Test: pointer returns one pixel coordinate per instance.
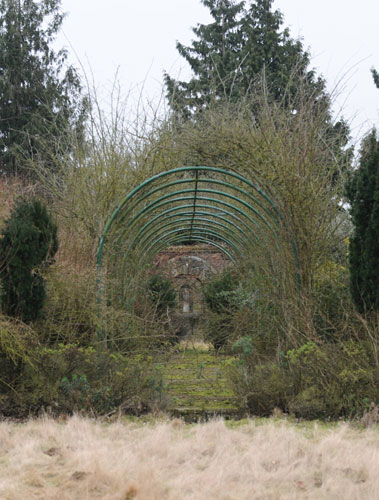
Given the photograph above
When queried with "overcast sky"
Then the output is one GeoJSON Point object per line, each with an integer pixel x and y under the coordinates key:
{"type": "Point", "coordinates": [139, 36]}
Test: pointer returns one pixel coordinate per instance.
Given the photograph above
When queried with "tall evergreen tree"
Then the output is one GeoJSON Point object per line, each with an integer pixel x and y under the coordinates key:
{"type": "Point", "coordinates": [363, 194]}
{"type": "Point", "coordinates": [230, 53]}
{"type": "Point", "coordinates": [213, 58]}
{"type": "Point", "coordinates": [40, 103]}
{"type": "Point", "coordinates": [29, 240]}
{"type": "Point", "coordinates": [267, 46]}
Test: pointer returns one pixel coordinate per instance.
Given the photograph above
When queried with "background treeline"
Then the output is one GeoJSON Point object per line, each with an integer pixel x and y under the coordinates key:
{"type": "Point", "coordinates": [304, 330]}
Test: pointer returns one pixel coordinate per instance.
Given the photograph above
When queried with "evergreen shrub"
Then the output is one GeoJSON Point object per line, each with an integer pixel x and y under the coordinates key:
{"type": "Point", "coordinates": [220, 297]}
{"type": "Point", "coordinates": [162, 294]}
{"type": "Point", "coordinates": [363, 194]}
{"type": "Point", "coordinates": [29, 242]}
{"type": "Point", "coordinates": [219, 294]}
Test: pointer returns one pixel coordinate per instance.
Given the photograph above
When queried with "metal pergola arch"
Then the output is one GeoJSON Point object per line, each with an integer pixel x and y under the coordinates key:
{"type": "Point", "coordinates": [197, 204]}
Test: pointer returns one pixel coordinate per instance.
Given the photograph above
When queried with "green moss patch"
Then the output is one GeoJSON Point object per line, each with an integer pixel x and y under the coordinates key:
{"type": "Point", "coordinates": [197, 385]}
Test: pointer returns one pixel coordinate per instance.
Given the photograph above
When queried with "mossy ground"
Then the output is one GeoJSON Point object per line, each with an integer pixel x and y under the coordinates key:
{"type": "Point", "coordinates": [197, 384]}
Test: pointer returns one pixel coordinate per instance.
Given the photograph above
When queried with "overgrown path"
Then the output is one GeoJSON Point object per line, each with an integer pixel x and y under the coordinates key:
{"type": "Point", "coordinates": [197, 385]}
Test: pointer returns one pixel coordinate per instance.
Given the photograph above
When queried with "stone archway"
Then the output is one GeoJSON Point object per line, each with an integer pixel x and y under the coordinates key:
{"type": "Point", "coordinates": [188, 268]}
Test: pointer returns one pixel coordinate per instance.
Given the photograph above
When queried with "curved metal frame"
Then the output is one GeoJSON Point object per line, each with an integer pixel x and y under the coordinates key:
{"type": "Point", "coordinates": [231, 220]}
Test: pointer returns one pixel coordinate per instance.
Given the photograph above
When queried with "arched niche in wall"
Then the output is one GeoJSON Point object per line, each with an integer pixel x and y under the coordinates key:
{"type": "Point", "coordinates": [186, 299]}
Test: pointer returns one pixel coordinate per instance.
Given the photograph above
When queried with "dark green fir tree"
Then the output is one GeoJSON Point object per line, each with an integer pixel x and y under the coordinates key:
{"type": "Point", "coordinates": [363, 195]}
{"type": "Point", "coordinates": [231, 53]}
{"type": "Point", "coordinates": [40, 99]}
{"type": "Point", "coordinates": [213, 58]}
{"type": "Point", "coordinates": [29, 242]}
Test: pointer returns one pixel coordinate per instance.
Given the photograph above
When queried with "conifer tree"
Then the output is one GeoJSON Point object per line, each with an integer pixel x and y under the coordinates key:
{"type": "Point", "coordinates": [40, 103]}
{"type": "Point", "coordinates": [29, 241]}
{"type": "Point", "coordinates": [213, 59]}
{"type": "Point", "coordinates": [363, 194]}
{"type": "Point", "coordinates": [230, 53]}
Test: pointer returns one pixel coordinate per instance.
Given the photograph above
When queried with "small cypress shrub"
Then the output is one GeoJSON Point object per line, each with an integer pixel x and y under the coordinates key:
{"type": "Point", "coordinates": [162, 294]}
{"type": "Point", "coordinates": [29, 241]}
{"type": "Point", "coordinates": [220, 297]}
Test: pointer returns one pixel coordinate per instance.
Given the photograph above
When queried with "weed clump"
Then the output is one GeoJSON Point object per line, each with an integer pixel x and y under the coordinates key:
{"type": "Point", "coordinates": [69, 378]}
{"type": "Point", "coordinates": [323, 380]}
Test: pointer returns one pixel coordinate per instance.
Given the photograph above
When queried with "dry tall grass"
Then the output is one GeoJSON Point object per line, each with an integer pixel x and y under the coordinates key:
{"type": "Point", "coordinates": [84, 459]}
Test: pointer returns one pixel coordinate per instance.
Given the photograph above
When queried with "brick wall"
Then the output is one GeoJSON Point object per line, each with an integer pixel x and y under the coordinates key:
{"type": "Point", "coordinates": [189, 267]}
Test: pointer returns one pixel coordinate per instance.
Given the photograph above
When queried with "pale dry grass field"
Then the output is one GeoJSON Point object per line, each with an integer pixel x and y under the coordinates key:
{"type": "Point", "coordinates": [85, 459]}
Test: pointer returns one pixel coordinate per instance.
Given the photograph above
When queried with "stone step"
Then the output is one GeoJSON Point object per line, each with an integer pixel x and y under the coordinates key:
{"type": "Point", "coordinates": [197, 385]}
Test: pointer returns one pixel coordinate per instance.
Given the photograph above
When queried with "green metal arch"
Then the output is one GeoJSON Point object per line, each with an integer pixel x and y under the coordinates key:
{"type": "Point", "coordinates": [155, 215]}
{"type": "Point", "coordinates": [208, 207]}
{"type": "Point", "coordinates": [189, 214]}
{"type": "Point", "coordinates": [191, 180]}
{"type": "Point", "coordinates": [229, 239]}
{"type": "Point", "coordinates": [185, 218]}
{"type": "Point", "coordinates": [157, 203]}
{"type": "Point", "coordinates": [199, 232]}
{"type": "Point", "coordinates": [168, 214]}
{"type": "Point", "coordinates": [216, 214]}
{"type": "Point", "coordinates": [180, 239]}
{"type": "Point", "coordinates": [179, 170]}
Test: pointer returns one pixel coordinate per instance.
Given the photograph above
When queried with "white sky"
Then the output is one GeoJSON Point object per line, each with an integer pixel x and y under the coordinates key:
{"type": "Point", "coordinates": [139, 36]}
